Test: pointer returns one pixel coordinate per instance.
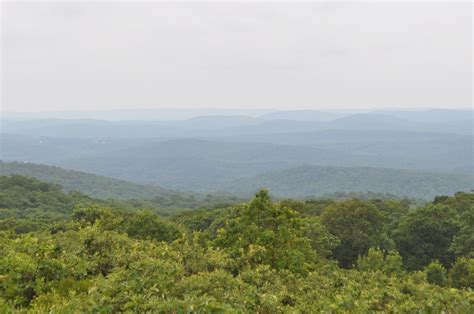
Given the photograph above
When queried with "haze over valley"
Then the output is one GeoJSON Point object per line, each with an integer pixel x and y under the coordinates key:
{"type": "Point", "coordinates": [405, 153]}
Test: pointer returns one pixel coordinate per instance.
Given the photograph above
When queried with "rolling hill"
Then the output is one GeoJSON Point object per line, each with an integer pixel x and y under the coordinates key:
{"type": "Point", "coordinates": [297, 182]}
{"type": "Point", "coordinates": [318, 181]}
{"type": "Point", "coordinates": [202, 165]}
{"type": "Point", "coordinates": [86, 183]}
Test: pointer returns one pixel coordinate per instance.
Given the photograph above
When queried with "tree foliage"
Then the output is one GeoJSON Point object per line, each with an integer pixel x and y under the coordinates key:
{"type": "Point", "coordinates": [426, 235]}
{"type": "Point", "coordinates": [358, 225]}
{"type": "Point", "coordinates": [261, 256]}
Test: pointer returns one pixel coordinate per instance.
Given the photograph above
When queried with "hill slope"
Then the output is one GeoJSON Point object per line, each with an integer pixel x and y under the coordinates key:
{"type": "Point", "coordinates": [317, 181]}
{"type": "Point", "coordinates": [89, 184]}
{"type": "Point", "coordinates": [198, 165]}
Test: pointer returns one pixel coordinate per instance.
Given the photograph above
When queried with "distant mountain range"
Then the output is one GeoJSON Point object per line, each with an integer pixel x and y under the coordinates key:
{"type": "Point", "coordinates": [304, 115]}
{"type": "Point", "coordinates": [206, 153]}
{"type": "Point", "coordinates": [166, 114]}
{"type": "Point", "coordinates": [456, 122]}
{"type": "Point", "coordinates": [142, 114]}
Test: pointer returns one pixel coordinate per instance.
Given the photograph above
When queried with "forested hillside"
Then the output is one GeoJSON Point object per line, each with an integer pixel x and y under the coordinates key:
{"type": "Point", "coordinates": [63, 252]}
{"type": "Point", "coordinates": [89, 184]}
{"type": "Point", "coordinates": [312, 181]}
{"type": "Point", "coordinates": [300, 182]}
{"type": "Point", "coordinates": [121, 193]}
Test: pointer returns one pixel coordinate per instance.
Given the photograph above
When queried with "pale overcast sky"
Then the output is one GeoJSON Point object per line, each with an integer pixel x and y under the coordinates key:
{"type": "Point", "coordinates": [91, 55]}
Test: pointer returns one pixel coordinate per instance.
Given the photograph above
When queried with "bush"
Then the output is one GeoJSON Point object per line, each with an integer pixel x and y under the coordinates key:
{"type": "Point", "coordinates": [462, 273]}
{"type": "Point", "coordinates": [377, 260]}
{"type": "Point", "coordinates": [436, 273]}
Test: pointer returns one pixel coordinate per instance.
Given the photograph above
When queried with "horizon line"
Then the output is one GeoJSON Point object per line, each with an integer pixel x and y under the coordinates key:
{"type": "Point", "coordinates": [236, 109]}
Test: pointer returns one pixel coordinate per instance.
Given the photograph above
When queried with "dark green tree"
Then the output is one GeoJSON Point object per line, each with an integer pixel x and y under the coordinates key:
{"type": "Point", "coordinates": [426, 235]}
{"type": "Point", "coordinates": [463, 242]}
{"type": "Point", "coordinates": [358, 225]}
{"type": "Point", "coordinates": [461, 274]}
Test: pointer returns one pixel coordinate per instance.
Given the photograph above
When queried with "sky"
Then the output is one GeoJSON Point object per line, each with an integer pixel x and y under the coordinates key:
{"type": "Point", "coordinates": [340, 55]}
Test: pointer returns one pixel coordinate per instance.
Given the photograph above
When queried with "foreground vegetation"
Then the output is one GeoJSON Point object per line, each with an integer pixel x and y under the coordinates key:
{"type": "Point", "coordinates": [66, 252]}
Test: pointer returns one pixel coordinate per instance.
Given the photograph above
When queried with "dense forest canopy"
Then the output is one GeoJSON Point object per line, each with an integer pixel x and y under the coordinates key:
{"type": "Point", "coordinates": [67, 252]}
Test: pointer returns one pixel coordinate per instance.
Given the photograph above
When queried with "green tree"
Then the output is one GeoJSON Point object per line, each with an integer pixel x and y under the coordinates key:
{"type": "Point", "coordinates": [463, 242]}
{"type": "Point", "coordinates": [264, 232]}
{"type": "Point", "coordinates": [147, 225]}
{"type": "Point", "coordinates": [426, 235]}
{"type": "Point", "coordinates": [358, 225]}
{"type": "Point", "coordinates": [461, 274]}
{"type": "Point", "coordinates": [436, 273]}
{"type": "Point", "coordinates": [376, 259]}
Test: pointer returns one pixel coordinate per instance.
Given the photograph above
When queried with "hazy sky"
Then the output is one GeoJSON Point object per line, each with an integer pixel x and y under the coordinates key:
{"type": "Point", "coordinates": [91, 55]}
